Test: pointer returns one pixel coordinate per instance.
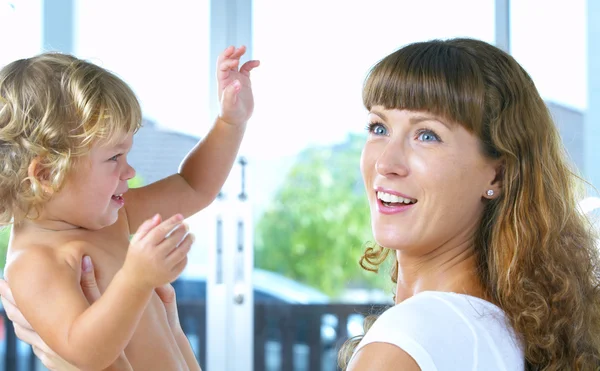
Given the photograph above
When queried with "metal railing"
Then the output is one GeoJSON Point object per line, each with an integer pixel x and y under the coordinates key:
{"type": "Point", "coordinates": [287, 337]}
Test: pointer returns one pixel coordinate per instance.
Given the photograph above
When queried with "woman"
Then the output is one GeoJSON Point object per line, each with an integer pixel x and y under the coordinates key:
{"type": "Point", "coordinates": [470, 191]}
{"type": "Point", "coordinates": [469, 188]}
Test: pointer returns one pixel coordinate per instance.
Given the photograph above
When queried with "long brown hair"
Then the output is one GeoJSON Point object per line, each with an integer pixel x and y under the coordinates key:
{"type": "Point", "coordinates": [537, 252]}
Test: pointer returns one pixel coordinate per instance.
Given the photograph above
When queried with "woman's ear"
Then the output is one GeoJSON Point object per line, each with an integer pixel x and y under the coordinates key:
{"type": "Point", "coordinates": [39, 175]}
{"type": "Point", "coordinates": [494, 188]}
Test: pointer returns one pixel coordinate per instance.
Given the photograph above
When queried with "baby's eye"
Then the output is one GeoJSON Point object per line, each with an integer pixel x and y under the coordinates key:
{"type": "Point", "coordinates": [114, 158]}
{"type": "Point", "coordinates": [376, 129]}
{"type": "Point", "coordinates": [427, 135]}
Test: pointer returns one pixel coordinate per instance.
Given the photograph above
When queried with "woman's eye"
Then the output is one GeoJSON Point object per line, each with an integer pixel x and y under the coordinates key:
{"type": "Point", "coordinates": [376, 129]}
{"type": "Point", "coordinates": [427, 136]}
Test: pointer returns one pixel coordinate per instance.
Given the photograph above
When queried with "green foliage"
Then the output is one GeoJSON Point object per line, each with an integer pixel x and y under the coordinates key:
{"type": "Point", "coordinates": [4, 236]}
{"type": "Point", "coordinates": [136, 182]}
{"type": "Point", "coordinates": [317, 226]}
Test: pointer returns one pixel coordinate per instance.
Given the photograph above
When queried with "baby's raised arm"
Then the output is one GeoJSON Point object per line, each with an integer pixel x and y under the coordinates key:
{"type": "Point", "coordinates": [205, 169]}
{"type": "Point", "coordinates": [46, 288]}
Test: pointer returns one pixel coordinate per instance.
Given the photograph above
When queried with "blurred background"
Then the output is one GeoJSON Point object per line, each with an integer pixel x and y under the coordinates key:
{"type": "Point", "coordinates": [295, 193]}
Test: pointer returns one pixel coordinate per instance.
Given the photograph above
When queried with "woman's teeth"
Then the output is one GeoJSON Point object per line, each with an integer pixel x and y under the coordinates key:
{"type": "Point", "coordinates": [390, 198]}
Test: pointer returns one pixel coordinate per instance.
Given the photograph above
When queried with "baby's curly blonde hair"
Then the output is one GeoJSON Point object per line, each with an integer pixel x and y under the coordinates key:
{"type": "Point", "coordinates": [53, 107]}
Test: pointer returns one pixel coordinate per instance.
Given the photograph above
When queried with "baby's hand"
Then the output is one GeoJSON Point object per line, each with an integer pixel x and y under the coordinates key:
{"type": "Point", "coordinates": [235, 92]}
{"type": "Point", "coordinates": [158, 251]}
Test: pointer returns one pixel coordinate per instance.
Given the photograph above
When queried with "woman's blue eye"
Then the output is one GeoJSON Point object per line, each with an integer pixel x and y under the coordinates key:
{"type": "Point", "coordinates": [377, 129]}
{"type": "Point", "coordinates": [427, 136]}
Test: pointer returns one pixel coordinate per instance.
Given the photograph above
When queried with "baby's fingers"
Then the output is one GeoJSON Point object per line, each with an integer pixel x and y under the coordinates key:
{"type": "Point", "coordinates": [229, 55]}
{"type": "Point", "coordinates": [179, 267]}
{"type": "Point", "coordinates": [176, 235]}
{"type": "Point", "coordinates": [249, 66]}
{"type": "Point", "coordinates": [229, 64]}
{"type": "Point", "coordinates": [225, 54]}
{"type": "Point", "coordinates": [180, 252]}
{"type": "Point", "coordinates": [238, 52]}
{"type": "Point", "coordinates": [145, 228]}
{"type": "Point", "coordinates": [164, 230]}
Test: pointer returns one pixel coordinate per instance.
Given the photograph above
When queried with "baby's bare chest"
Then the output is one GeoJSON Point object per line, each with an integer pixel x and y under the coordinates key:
{"type": "Point", "coordinates": [152, 346]}
{"type": "Point", "coordinates": [107, 257]}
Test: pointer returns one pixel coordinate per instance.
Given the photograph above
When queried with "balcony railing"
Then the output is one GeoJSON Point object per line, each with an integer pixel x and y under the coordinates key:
{"type": "Point", "coordinates": [287, 337]}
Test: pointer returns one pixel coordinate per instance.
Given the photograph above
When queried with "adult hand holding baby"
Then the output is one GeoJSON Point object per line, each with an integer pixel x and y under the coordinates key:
{"type": "Point", "coordinates": [89, 286]}
{"type": "Point", "coordinates": [47, 356]}
{"type": "Point", "coordinates": [162, 245]}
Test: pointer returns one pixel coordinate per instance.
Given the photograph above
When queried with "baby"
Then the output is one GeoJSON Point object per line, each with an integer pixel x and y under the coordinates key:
{"type": "Point", "coordinates": [66, 127]}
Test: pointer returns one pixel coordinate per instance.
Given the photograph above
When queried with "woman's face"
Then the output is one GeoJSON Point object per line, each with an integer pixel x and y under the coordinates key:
{"type": "Point", "coordinates": [426, 180]}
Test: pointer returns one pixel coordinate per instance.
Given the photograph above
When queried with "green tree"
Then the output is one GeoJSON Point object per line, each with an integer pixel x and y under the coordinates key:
{"type": "Point", "coordinates": [4, 237]}
{"type": "Point", "coordinates": [315, 229]}
{"type": "Point", "coordinates": [135, 182]}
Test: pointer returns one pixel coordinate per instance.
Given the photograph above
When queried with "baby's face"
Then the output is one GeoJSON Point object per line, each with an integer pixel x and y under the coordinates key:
{"type": "Point", "coordinates": [93, 191]}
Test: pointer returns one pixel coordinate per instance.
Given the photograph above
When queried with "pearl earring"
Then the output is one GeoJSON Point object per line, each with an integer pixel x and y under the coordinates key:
{"type": "Point", "coordinates": [490, 192]}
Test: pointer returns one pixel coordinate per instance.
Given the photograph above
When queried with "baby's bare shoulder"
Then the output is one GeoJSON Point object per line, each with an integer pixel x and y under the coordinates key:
{"type": "Point", "coordinates": [33, 264]}
{"type": "Point", "coordinates": [40, 257]}
{"type": "Point", "coordinates": [72, 252]}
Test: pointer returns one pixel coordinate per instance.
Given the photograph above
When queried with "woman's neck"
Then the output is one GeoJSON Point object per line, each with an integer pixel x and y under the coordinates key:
{"type": "Point", "coordinates": [449, 270]}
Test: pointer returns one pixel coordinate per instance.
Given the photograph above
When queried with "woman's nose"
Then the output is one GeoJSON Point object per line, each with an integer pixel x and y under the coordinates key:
{"type": "Point", "coordinates": [392, 161]}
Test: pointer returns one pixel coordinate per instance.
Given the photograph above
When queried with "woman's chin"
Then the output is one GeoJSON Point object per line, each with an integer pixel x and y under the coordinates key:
{"type": "Point", "coordinates": [392, 241]}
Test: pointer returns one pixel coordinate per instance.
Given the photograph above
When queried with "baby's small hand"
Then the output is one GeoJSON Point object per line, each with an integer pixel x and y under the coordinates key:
{"type": "Point", "coordinates": [158, 251]}
{"type": "Point", "coordinates": [235, 92]}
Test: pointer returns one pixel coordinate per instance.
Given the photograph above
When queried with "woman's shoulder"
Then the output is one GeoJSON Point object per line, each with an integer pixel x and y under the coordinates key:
{"type": "Point", "coordinates": [440, 307]}
{"type": "Point", "coordinates": [451, 303]}
{"type": "Point", "coordinates": [445, 312]}
{"type": "Point", "coordinates": [442, 328]}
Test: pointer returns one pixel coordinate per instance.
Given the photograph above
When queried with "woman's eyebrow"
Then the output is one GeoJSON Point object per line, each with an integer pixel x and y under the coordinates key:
{"type": "Point", "coordinates": [420, 118]}
{"type": "Point", "coordinates": [378, 113]}
{"type": "Point", "coordinates": [414, 119]}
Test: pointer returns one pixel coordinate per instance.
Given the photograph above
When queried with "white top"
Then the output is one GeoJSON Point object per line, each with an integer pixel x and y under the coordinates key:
{"type": "Point", "coordinates": [446, 331]}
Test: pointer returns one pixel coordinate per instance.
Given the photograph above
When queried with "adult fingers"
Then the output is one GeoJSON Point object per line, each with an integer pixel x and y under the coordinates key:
{"type": "Point", "coordinates": [166, 293]}
{"type": "Point", "coordinates": [29, 336]}
{"type": "Point", "coordinates": [5, 291]}
{"type": "Point", "coordinates": [88, 280]}
{"type": "Point", "coordinates": [14, 314]}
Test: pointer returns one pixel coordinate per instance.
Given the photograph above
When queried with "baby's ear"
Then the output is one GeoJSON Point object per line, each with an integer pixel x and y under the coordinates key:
{"type": "Point", "coordinates": [39, 175]}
